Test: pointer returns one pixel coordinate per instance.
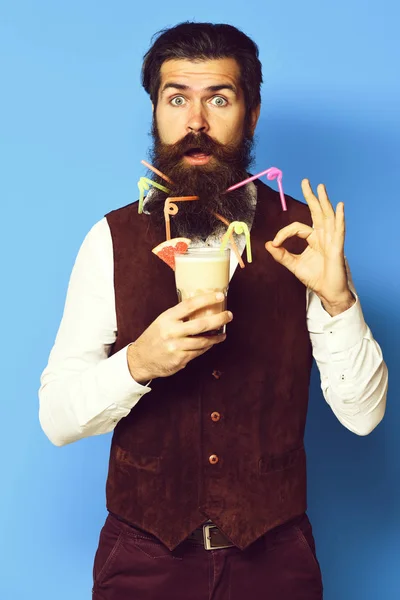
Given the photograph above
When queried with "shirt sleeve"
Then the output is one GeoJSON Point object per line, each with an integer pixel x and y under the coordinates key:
{"type": "Point", "coordinates": [83, 391]}
{"type": "Point", "coordinates": [354, 376]}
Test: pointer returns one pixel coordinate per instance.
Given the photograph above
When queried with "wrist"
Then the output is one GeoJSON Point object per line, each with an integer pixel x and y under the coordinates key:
{"type": "Point", "coordinates": [138, 371]}
{"type": "Point", "coordinates": [338, 305]}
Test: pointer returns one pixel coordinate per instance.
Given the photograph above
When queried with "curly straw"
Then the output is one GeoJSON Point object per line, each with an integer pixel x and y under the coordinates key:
{"type": "Point", "coordinates": [234, 247]}
{"type": "Point", "coordinates": [144, 184]}
{"type": "Point", "coordinates": [171, 209]}
{"type": "Point", "coordinates": [238, 227]}
{"type": "Point", "coordinates": [271, 173]}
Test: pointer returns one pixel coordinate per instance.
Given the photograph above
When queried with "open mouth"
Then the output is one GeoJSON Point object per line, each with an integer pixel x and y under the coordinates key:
{"type": "Point", "coordinates": [196, 152]}
{"type": "Point", "coordinates": [197, 156]}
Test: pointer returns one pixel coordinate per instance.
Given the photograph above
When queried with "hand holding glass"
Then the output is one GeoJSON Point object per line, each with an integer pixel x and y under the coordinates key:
{"type": "Point", "coordinates": [201, 271]}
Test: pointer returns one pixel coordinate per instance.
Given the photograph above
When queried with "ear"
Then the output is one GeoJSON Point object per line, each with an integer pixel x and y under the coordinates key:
{"type": "Point", "coordinates": [254, 115]}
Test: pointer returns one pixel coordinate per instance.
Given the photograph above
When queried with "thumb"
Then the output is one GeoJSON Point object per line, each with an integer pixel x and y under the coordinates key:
{"type": "Point", "coordinates": [282, 256]}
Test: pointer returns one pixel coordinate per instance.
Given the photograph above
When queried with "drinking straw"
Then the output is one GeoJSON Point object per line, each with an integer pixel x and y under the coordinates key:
{"type": "Point", "coordinates": [238, 227]}
{"type": "Point", "coordinates": [271, 173]}
{"type": "Point", "coordinates": [144, 184]}
{"type": "Point", "coordinates": [156, 171]}
{"type": "Point", "coordinates": [171, 209]}
{"type": "Point", "coordinates": [234, 247]}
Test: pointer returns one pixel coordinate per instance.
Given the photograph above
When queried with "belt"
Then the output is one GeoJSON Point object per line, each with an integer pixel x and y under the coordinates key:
{"type": "Point", "coordinates": [211, 537]}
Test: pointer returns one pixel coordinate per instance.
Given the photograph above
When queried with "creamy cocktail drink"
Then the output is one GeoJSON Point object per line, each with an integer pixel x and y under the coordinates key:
{"type": "Point", "coordinates": [202, 271]}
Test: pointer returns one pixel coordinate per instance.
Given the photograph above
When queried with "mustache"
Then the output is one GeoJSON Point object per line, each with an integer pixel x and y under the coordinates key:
{"type": "Point", "coordinates": [200, 141]}
{"type": "Point", "coordinates": [203, 143]}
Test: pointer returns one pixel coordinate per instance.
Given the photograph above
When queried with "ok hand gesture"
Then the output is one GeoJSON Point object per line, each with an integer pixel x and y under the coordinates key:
{"type": "Point", "coordinates": [321, 267]}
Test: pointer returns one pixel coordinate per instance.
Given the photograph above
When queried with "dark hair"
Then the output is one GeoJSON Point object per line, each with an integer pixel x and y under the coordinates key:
{"type": "Point", "coordinates": [204, 41]}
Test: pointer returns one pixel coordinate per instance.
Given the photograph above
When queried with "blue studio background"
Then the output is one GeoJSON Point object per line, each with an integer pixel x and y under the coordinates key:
{"type": "Point", "coordinates": [74, 126]}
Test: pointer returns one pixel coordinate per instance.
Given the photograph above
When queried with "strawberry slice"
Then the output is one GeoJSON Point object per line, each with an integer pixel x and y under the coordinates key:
{"type": "Point", "coordinates": [168, 250]}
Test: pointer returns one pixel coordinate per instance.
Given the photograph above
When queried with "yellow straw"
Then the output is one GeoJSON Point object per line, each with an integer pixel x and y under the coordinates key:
{"type": "Point", "coordinates": [144, 184]}
{"type": "Point", "coordinates": [234, 247]}
{"type": "Point", "coordinates": [238, 227]}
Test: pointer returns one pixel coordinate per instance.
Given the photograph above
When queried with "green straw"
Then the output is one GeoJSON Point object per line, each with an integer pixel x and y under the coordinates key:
{"type": "Point", "coordinates": [144, 184]}
{"type": "Point", "coordinates": [239, 227]}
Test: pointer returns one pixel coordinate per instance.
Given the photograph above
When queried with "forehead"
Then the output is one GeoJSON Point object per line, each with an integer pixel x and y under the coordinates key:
{"type": "Point", "coordinates": [200, 73]}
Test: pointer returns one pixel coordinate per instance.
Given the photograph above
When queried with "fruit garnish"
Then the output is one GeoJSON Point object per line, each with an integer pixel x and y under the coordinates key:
{"type": "Point", "coordinates": [170, 248]}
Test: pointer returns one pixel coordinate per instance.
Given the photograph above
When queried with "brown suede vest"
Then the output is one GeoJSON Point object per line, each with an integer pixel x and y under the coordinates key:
{"type": "Point", "coordinates": [160, 477]}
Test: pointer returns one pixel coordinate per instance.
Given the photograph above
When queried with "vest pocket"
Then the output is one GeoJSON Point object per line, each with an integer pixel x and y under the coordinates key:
{"type": "Point", "coordinates": [139, 461]}
{"type": "Point", "coordinates": [280, 462]}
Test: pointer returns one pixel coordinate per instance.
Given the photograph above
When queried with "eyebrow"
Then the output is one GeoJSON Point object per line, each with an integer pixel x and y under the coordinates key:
{"type": "Point", "coordinates": [211, 88]}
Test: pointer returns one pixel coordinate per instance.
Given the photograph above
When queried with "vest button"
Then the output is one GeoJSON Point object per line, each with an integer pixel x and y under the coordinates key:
{"type": "Point", "coordinates": [215, 416]}
{"type": "Point", "coordinates": [213, 459]}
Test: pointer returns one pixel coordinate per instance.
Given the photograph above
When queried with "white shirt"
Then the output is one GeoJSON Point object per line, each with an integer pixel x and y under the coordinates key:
{"type": "Point", "coordinates": [85, 392]}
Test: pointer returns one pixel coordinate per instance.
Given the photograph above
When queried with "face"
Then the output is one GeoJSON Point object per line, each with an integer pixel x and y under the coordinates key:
{"type": "Point", "coordinates": [202, 141]}
{"type": "Point", "coordinates": [202, 97]}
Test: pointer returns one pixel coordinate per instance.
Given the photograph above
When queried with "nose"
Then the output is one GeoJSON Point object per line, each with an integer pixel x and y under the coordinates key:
{"type": "Point", "coordinates": [197, 121]}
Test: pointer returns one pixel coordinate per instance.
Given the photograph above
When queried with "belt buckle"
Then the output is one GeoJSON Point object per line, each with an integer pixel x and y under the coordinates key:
{"type": "Point", "coordinates": [207, 538]}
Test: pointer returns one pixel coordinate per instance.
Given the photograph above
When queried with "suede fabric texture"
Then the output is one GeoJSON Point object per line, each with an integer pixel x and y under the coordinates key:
{"type": "Point", "coordinates": [160, 478]}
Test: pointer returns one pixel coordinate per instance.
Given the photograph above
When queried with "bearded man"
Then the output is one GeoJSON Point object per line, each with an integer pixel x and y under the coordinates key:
{"type": "Point", "coordinates": [206, 490]}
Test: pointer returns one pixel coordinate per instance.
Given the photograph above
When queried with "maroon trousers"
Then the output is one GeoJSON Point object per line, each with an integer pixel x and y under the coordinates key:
{"type": "Point", "coordinates": [133, 565]}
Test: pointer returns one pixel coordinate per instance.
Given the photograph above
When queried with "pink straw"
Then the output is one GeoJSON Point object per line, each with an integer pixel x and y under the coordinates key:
{"type": "Point", "coordinates": [271, 173]}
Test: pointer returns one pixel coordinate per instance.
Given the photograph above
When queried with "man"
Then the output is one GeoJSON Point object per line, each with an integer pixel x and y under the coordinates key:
{"type": "Point", "coordinates": [206, 489]}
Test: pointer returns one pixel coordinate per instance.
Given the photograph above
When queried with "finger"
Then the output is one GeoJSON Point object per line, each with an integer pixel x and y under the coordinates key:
{"type": "Point", "coordinates": [190, 344]}
{"type": "Point", "coordinates": [326, 206]}
{"type": "Point", "coordinates": [282, 256]}
{"type": "Point", "coordinates": [340, 225]}
{"type": "Point", "coordinates": [313, 204]}
{"type": "Point", "coordinates": [294, 229]}
{"type": "Point", "coordinates": [171, 331]}
{"type": "Point", "coordinates": [185, 308]}
{"type": "Point", "coordinates": [204, 324]}
{"type": "Point", "coordinates": [191, 354]}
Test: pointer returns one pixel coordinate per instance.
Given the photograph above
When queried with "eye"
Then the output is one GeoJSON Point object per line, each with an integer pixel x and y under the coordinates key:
{"type": "Point", "coordinates": [178, 101]}
{"type": "Point", "coordinates": [219, 101]}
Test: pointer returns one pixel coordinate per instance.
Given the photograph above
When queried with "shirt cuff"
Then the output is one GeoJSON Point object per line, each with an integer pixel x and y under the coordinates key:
{"type": "Point", "coordinates": [346, 330]}
{"type": "Point", "coordinates": [117, 382]}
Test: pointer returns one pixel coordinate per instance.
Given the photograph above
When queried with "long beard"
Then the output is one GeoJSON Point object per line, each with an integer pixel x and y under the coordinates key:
{"type": "Point", "coordinates": [228, 165]}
